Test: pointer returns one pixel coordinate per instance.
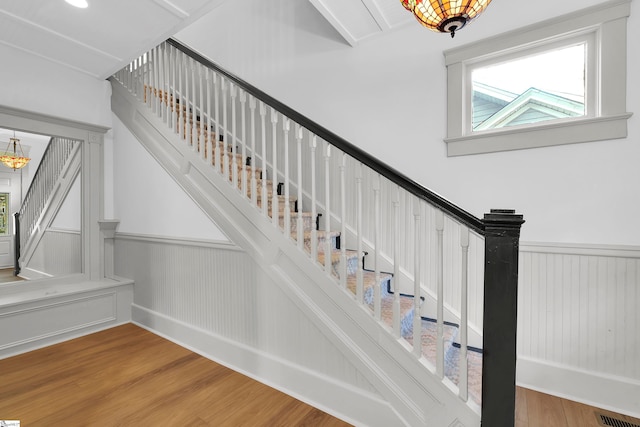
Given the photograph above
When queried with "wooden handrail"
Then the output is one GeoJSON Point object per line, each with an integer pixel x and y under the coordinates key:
{"type": "Point", "coordinates": [365, 158]}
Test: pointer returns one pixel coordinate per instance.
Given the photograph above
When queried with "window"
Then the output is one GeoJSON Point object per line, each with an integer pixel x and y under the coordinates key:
{"type": "Point", "coordinates": [559, 82]}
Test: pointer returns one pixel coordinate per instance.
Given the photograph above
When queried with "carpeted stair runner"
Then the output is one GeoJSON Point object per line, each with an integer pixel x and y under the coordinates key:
{"type": "Point", "coordinates": [429, 326]}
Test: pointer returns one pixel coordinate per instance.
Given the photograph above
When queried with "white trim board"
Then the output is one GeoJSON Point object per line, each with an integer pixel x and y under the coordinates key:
{"type": "Point", "coordinates": [603, 391]}
{"type": "Point", "coordinates": [355, 406]}
{"type": "Point", "coordinates": [181, 241]}
{"type": "Point", "coordinates": [618, 251]}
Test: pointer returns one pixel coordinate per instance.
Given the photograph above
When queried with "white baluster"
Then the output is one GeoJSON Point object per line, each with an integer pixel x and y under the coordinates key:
{"type": "Point", "coordinates": [179, 97]}
{"type": "Point", "coordinates": [417, 320]}
{"type": "Point", "coordinates": [141, 77]}
{"type": "Point", "coordinates": [263, 127]}
{"type": "Point", "coordinates": [152, 80]}
{"type": "Point", "coordinates": [145, 81]}
{"type": "Point", "coordinates": [440, 294]}
{"type": "Point", "coordinates": [300, 225]}
{"type": "Point", "coordinates": [377, 295]}
{"type": "Point", "coordinates": [156, 84]}
{"type": "Point", "coordinates": [463, 384]}
{"type": "Point", "coordinates": [254, 157]}
{"type": "Point", "coordinates": [151, 67]}
{"type": "Point", "coordinates": [202, 141]}
{"type": "Point", "coordinates": [225, 133]}
{"type": "Point", "coordinates": [166, 69]}
{"type": "Point", "coordinates": [188, 131]}
{"type": "Point", "coordinates": [359, 219]}
{"type": "Point", "coordinates": [132, 81]}
{"type": "Point", "coordinates": [133, 78]}
{"type": "Point", "coordinates": [216, 158]}
{"type": "Point", "coordinates": [327, 205]}
{"type": "Point", "coordinates": [274, 166]}
{"type": "Point", "coordinates": [234, 135]}
{"type": "Point", "coordinates": [209, 138]}
{"type": "Point", "coordinates": [194, 109]}
{"type": "Point", "coordinates": [173, 106]}
{"type": "Point", "coordinates": [126, 76]}
{"type": "Point", "coordinates": [343, 222]}
{"type": "Point", "coordinates": [396, 261]}
{"type": "Point", "coordinates": [243, 125]}
{"type": "Point", "coordinates": [314, 208]}
{"type": "Point", "coordinates": [286, 126]}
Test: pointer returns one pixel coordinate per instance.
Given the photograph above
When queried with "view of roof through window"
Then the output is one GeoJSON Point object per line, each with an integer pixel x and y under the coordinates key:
{"type": "Point", "coordinates": [537, 88]}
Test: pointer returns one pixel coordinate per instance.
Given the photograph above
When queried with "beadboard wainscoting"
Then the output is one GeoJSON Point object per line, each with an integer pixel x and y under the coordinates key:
{"type": "Point", "coordinates": [58, 253]}
{"type": "Point", "coordinates": [579, 323]}
{"type": "Point", "coordinates": [212, 298]}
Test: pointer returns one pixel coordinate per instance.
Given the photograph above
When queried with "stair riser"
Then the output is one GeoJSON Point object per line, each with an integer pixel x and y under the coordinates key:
{"type": "Point", "coordinates": [352, 266]}
{"type": "Point", "coordinates": [321, 242]}
{"type": "Point", "coordinates": [307, 222]}
{"type": "Point", "coordinates": [281, 206]}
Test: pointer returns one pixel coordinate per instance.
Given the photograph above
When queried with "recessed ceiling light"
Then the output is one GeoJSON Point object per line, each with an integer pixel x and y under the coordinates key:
{"type": "Point", "coordinates": [78, 3]}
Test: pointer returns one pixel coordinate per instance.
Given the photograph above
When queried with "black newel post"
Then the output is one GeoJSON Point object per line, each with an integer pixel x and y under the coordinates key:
{"type": "Point", "coordinates": [16, 243]}
{"type": "Point", "coordinates": [502, 235]}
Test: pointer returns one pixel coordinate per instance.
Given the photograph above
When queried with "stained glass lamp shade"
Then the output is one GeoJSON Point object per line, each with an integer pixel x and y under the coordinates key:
{"type": "Point", "coordinates": [12, 159]}
{"type": "Point", "coordinates": [445, 16]}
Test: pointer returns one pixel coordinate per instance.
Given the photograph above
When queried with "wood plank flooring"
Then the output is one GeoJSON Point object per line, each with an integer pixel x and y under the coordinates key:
{"type": "Point", "coordinates": [6, 276]}
{"type": "Point", "coordinates": [534, 409]}
{"type": "Point", "coordinates": [127, 376]}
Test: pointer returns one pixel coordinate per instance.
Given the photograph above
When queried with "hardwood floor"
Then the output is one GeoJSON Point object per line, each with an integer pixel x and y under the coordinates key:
{"type": "Point", "coordinates": [6, 275]}
{"type": "Point", "coordinates": [127, 376]}
{"type": "Point", "coordinates": [534, 409]}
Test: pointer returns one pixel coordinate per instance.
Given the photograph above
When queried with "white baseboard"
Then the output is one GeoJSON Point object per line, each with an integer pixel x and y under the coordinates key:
{"type": "Point", "coordinates": [33, 274]}
{"type": "Point", "coordinates": [342, 400]}
{"type": "Point", "coordinates": [608, 392]}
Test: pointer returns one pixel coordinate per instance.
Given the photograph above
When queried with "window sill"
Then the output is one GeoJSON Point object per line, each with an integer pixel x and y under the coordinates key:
{"type": "Point", "coordinates": [585, 130]}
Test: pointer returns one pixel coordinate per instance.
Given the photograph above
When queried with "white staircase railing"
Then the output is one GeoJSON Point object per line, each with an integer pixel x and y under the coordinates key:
{"type": "Point", "coordinates": [43, 188]}
{"type": "Point", "coordinates": [430, 252]}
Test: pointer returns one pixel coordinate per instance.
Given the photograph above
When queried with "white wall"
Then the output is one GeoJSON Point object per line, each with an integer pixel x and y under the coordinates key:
{"type": "Point", "coordinates": [35, 84]}
{"type": "Point", "coordinates": [42, 86]}
{"type": "Point", "coordinates": [392, 89]}
{"type": "Point", "coordinates": [69, 215]}
{"type": "Point", "coordinates": [147, 200]}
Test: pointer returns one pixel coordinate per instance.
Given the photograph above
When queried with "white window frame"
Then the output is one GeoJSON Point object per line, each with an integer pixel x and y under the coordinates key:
{"type": "Point", "coordinates": [603, 27]}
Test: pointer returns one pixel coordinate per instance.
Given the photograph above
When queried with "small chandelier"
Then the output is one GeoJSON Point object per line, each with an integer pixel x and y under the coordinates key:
{"type": "Point", "coordinates": [13, 160]}
{"type": "Point", "coordinates": [445, 16]}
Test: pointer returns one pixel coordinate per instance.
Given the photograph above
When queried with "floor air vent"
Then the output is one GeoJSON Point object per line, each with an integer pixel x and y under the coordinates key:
{"type": "Point", "coordinates": [607, 421]}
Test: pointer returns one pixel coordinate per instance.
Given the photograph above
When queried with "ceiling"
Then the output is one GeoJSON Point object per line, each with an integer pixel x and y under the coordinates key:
{"type": "Point", "coordinates": [107, 35]}
{"type": "Point", "coordinates": [104, 37]}
{"type": "Point", "coordinates": [357, 20]}
{"type": "Point", "coordinates": [100, 39]}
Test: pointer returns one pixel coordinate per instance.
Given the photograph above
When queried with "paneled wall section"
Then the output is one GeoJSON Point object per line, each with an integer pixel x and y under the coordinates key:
{"type": "Point", "coordinates": [579, 307]}
{"type": "Point", "coordinates": [218, 289]}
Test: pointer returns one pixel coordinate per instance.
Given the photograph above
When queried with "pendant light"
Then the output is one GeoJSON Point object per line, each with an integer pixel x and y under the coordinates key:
{"type": "Point", "coordinates": [445, 16]}
{"type": "Point", "coordinates": [11, 159]}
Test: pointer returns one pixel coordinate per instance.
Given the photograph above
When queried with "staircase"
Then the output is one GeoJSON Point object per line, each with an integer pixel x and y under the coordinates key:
{"type": "Point", "coordinates": [356, 243]}
{"type": "Point", "coordinates": [322, 242]}
{"type": "Point", "coordinates": [56, 173]}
